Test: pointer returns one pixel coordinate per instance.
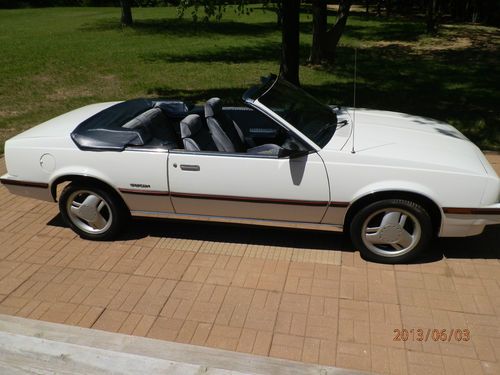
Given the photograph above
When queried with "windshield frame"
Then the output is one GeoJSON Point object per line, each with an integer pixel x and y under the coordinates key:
{"type": "Point", "coordinates": [253, 96]}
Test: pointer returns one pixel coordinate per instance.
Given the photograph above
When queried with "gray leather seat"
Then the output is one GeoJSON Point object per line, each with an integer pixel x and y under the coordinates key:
{"type": "Point", "coordinates": [226, 134]}
{"type": "Point", "coordinates": [154, 128]}
{"type": "Point", "coordinates": [195, 136]}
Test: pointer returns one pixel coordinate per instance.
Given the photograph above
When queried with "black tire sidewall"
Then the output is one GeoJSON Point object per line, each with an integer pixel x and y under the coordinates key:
{"type": "Point", "coordinates": [117, 211]}
{"type": "Point", "coordinates": [356, 229]}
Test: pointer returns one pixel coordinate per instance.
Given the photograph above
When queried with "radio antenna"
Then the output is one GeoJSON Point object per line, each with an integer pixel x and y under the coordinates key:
{"type": "Point", "coordinates": [354, 99]}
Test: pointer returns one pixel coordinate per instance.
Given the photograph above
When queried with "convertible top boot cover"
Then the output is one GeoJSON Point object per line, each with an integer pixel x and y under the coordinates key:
{"type": "Point", "coordinates": [226, 134]}
{"type": "Point", "coordinates": [195, 136]}
{"type": "Point", "coordinates": [137, 122]}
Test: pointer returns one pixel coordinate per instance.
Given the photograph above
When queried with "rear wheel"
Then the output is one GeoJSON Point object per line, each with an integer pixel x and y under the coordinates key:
{"type": "Point", "coordinates": [92, 212]}
{"type": "Point", "coordinates": [391, 231]}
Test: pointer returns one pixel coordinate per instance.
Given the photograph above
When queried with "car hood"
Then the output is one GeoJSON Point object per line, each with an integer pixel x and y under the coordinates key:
{"type": "Point", "coordinates": [64, 124]}
{"type": "Point", "coordinates": [398, 138]}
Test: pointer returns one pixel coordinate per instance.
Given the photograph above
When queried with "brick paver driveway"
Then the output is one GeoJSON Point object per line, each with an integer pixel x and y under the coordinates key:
{"type": "Point", "coordinates": [299, 295]}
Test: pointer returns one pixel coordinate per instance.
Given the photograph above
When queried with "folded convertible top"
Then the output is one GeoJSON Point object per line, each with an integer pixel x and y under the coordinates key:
{"type": "Point", "coordinates": [104, 131]}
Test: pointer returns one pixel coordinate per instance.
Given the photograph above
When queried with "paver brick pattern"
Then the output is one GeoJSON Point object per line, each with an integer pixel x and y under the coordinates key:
{"type": "Point", "coordinates": [300, 295]}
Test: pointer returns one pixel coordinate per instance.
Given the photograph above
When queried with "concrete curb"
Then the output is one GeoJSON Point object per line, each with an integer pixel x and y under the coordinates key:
{"type": "Point", "coordinates": [31, 346]}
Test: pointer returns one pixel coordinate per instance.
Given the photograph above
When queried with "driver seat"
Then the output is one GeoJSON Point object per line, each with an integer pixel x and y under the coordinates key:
{"type": "Point", "coordinates": [228, 136]}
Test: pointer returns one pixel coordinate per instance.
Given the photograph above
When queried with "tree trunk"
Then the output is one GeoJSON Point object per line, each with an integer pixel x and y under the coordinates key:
{"type": "Point", "coordinates": [379, 8]}
{"type": "Point", "coordinates": [333, 35]}
{"type": "Point", "coordinates": [475, 11]}
{"type": "Point", "coordinates": [432, 17]}
{"type": "Point", "coordinates": [279, 13]}
{"type": "Point", "coordinates": [367, 4]}
{"type": "Point", "coordinates": [320, 12]}
{"type": "Point", "coordinates": [388, 7]}
{"type": "Point", "coordinates": [126, 13]}
{"type": "Point", "coordinates": [290, 54]}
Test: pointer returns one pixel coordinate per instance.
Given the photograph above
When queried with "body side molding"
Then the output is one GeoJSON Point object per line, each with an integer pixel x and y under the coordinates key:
{"type": "Point", "coordinates": [8, 181]}
{"type": "Point", "coordinates": [236, 220]}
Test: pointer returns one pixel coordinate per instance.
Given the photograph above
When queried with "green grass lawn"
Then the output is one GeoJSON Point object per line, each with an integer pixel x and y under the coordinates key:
{"type": "Point", "coordinates": [56, 59]}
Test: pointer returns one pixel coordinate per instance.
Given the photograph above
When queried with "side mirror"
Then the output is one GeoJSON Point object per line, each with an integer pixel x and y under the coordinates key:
{"type": "Point", "coordinates": [293, 154]}
{"type": "Point", "coordinates": [292, 150]}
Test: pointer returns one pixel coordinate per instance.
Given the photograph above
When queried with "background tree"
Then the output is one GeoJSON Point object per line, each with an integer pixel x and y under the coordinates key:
{"type": "Point", "coordinates": [277, 6]}
{"type": "Point", "coordinates": [333, 35]}
{"type": "Point", "coordinates": [126, 18]}
{"type": "Point", "coordinates": [431, 15]}
{"type": "Point", "coordinates": [320, 24]}
{"type": "Point", "coordinates": [279, 12]}
{"type": "Point", "coordinates": [290, 15]}
{"type": "Point", "coordinates": [325, 42]}
{"type": "Point", "coordinates": [477, 11]}
{"type": "Point", "coordinates": [290, 39]}
{"type": "Point", "coordinates": [211, 8]}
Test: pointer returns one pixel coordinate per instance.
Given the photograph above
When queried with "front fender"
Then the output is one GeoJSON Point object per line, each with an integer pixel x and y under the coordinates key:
{"type": "Point", "coordinates": [396, 185]}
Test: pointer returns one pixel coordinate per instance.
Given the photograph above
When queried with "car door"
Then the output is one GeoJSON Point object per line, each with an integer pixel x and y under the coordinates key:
{"type": "Point", "coordinates": [248, 186]}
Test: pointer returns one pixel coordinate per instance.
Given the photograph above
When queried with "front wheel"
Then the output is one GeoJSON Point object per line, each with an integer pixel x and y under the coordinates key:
{"type": "Point", "coordinates": [391, 231]}
{"type": "Point", "coordinates": [92, 212]}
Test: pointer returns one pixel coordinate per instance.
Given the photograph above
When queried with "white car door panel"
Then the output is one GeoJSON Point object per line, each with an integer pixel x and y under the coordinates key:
{"type": "Point", "coordinates": [142, 183]}
{"type": "Point", "coordinates": [244, 186]}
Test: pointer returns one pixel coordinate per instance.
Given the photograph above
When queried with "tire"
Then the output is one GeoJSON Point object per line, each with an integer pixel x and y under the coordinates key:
{"type": "Point", "coordinates": [391, 231]}
{"type": "Point", "coordinates": [92, 212]}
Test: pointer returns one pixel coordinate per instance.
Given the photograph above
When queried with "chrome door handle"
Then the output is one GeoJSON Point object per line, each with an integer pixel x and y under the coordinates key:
{"type": "Point", "coordinates": [189, 167]}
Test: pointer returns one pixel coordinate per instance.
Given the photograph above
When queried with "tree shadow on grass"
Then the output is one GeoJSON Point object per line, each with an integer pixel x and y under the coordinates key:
{"type": "Point", "coordinates": [230, 96]}
{"type": "Point", "coordinates": [269, 51]}
{"type": "Point", "coordinates": [380, 29]}
{"type": "Point", "coordinates": [262, 51]}
{"type": "Point", "coordinates": [387, 31]}
{"type": "Point", "coordinates": [455, 86]}
{"type": "Point", "coordinates": [183, 27]}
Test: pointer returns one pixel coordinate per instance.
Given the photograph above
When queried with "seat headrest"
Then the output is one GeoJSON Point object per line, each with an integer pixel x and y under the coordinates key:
{"type": "Point", "coordinates": [172, 108]}
{"type": "Point", "coordinates": [144, 119]}
{"type": "Point", "coordinates": [213, 107]}
{"type": "Point", "coordinates": [190, 126]}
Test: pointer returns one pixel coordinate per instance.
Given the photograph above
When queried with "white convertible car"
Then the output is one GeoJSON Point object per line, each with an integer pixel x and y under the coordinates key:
{"type": "Point", "coordinates": [284, 159]}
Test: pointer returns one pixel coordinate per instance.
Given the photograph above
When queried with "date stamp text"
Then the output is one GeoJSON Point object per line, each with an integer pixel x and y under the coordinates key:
{"type": "Point", "coordinates": [432, 334]}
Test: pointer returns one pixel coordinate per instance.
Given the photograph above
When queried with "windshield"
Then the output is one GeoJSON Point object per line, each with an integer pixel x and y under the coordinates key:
{"type": "Point", "coordinates": [314, 119]}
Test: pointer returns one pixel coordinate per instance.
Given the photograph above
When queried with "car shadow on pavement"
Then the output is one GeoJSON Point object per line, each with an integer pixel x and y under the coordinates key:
{"type": "Point", "coordinates": [228, 233]}
{"type": "Point", "coordinates": [484, 246]}
{"type": "Point", "coordinates": [237, 233]}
